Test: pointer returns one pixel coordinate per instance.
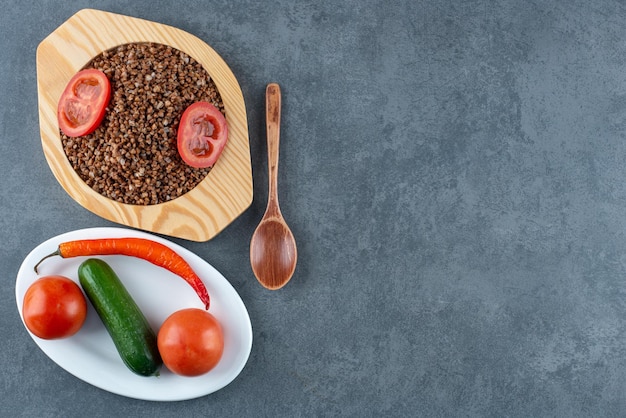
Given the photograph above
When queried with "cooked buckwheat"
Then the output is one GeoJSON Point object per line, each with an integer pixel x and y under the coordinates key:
{"type": "Point", "coordinates": [132, 157]}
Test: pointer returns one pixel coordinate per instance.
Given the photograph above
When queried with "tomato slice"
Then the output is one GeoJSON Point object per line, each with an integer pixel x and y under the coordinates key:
{"type": "Point", "coordinates": [202, 135]}
{"type": "Point", "coordinates": [83, 102]}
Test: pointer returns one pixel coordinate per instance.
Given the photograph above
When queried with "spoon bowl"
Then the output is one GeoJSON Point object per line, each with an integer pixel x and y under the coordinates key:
{"type": "Point", "coordinates": [273, 251]}
{"type": "Point", "coordinates": [274, 254]}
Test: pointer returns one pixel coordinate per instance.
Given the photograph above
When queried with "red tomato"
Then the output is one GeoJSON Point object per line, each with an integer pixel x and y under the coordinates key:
{"type": "Point", "coordinates": [54, 307]}
{"type": "Point", "coordinates": [190, 342]}
{"type": "Point", "coordinates": [202, 135]}
{"type": "Point", "coordinates": [83, 102]}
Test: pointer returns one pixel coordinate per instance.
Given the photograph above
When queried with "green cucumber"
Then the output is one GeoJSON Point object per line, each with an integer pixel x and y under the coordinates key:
{"type": "Point", "coordinates": [128, 327]}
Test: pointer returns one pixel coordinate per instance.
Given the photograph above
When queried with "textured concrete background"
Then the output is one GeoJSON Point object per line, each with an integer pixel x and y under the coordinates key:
{"type": "Point", "coordinates": [454, 173]}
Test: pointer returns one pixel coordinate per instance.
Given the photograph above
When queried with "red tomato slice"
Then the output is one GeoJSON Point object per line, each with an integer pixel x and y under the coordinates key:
{"type": "Point", "coordinates": [202, 135]}
{"type": "Point", "coordinates": [83, 103]}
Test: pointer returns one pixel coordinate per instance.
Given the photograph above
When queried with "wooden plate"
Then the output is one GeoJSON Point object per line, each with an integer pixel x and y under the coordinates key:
{"type": "Point", "coordinates": [198, 215]}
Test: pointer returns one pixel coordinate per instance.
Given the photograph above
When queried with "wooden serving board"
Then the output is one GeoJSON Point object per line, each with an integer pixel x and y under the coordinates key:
{"type": "Point", "coordinates": [204, 211]}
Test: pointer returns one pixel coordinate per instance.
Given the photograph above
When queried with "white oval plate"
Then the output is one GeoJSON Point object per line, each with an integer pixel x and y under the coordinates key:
{"type": "Point", "coordinates": [90, 354]}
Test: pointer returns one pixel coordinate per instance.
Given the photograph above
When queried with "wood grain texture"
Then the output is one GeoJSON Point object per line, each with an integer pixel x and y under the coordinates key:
{"type": "Point", "coordinates": [207, 209]}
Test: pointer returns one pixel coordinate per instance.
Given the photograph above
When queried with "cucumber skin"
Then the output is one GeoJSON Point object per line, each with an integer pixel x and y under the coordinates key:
{"type": "Point", "coordinates": [131, 333]}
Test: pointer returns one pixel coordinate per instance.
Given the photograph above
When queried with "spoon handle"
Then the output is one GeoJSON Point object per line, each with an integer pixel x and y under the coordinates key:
{"type": "Point", "coordinates": [272, 113]}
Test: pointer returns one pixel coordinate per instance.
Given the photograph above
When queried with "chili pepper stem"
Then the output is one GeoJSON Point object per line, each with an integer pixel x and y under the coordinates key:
{"type": "Point", "coordinates": [57, 252]}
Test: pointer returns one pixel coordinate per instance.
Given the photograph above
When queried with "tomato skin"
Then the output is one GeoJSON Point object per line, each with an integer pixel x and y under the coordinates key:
{"type": "Point", "coordinates": [191, 342]}
{"type": "Point", "coordinates": [202, 135]}
{"type": "Point", "coordinates": [83, 103]}
{"type": "Point", "coordinates": [54, 307]}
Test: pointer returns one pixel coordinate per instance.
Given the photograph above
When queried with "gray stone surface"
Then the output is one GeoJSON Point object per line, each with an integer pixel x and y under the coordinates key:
{"type": "Point", "coordinates": [454, 174]}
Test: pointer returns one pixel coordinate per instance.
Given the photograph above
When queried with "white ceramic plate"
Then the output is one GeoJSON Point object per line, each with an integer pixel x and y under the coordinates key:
{"type": "Point", "coordinates": [90, 354]}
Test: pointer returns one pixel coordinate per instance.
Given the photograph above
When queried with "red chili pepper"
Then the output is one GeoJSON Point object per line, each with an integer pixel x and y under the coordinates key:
{"type": "Point", "coordinates": [152, 251]}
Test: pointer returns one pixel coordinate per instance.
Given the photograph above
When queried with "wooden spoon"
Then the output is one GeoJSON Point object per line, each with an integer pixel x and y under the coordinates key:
{"type": "Point", "coordinates": [273, 252]}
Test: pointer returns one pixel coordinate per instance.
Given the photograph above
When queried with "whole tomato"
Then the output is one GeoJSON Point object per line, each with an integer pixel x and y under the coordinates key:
{"type": "Point", "coordinates": [190, 342]}
{"type": "Point", "coordinates": [54, 307]}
